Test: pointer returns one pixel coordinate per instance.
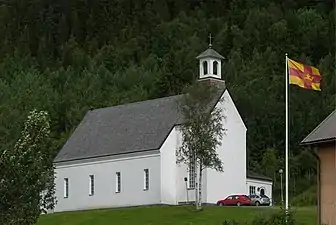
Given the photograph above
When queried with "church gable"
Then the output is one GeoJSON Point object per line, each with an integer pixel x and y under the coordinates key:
{"type": "Point", "coordinates": [227, 97]}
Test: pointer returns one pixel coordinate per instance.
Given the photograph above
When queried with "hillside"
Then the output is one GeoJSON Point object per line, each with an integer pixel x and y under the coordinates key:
{"type": "Point", "coordinates": [69, 56]}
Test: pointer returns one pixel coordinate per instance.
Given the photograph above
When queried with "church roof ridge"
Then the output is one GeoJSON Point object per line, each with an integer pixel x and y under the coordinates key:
{"type": "Point", "coordinates": [135, 103]}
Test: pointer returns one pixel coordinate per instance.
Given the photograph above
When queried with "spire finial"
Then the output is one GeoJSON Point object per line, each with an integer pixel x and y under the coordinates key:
{"type": "Point", "coordinates": [210, 45]}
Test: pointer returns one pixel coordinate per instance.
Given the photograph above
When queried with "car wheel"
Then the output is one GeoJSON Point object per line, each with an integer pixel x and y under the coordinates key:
{"type": "Point", "coordinates": [257, 203]}
{"type": "Point", "coordinates": [221, 204]}
{"type": "Point", "coordinates": [238, 204]}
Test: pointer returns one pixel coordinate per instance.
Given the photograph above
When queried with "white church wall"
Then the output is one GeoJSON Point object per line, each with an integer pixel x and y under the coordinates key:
{"type": "Point", "coordinates": [104, 171]}
{"type": "Point", "coordinates": [186, 194]}
{"type": "Point", "coordinates": [256, 185]}
{"type": "Point", "coordinates": [233, 155]}
{"type": "Point", "coordinates": [168, 169]}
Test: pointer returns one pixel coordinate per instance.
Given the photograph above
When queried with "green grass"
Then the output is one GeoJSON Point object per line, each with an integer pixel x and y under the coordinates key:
{"type": "Point", "coordinates": [169, 215]}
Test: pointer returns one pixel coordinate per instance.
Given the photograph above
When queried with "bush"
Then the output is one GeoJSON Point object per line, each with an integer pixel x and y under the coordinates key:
{"type": "Point", "coordinates": [227, 222]}
{"type": "Point", "coordinates": [275, 219]}
{"type": "Point", "coordinates": [306, 198]}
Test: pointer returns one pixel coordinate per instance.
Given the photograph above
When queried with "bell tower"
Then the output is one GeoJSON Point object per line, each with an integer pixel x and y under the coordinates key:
{"type": "Point", "coordinates": [210, 63]}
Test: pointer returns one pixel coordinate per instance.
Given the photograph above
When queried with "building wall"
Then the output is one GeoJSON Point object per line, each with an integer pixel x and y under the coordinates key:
{"type": "Point", "coordinates": [184, 192]}
{"type": "Point", "coordinates": [104, 171]}
{"type": "Point", "coordinates": [266, 185]}
{"type": "Point", "coordinates": [169, 169]}
{"type": "Point", "coordinates": [233, 155]}
{"type": "Point", "coordinates": [327, 157]}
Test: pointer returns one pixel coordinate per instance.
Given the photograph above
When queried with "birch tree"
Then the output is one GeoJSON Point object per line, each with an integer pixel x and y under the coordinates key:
{"type": "Point", "coordinates": [202, 132]}
{"type": "Point", "coordinates": [27, 174]}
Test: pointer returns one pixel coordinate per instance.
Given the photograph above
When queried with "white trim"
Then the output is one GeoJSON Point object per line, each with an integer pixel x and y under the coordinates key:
{"type": "Point", "coordinates": [107, 161]}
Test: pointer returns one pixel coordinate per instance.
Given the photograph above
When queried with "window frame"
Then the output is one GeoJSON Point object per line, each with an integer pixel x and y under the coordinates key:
{"type": "Point", "coordinates": [91, 185]}
{"type": "Point", "coordinates": [205, 68]}
{"type": "Point", "coordinates": [66, 187]}
{"type": "Point", "coordinates": [252, 190]}
{"type": "Point", "coordinates": [191, 175]}
{"type": "Point", "coordinates": [146, 180]}
{"type": "Point", "coordinates": [118, 182]}
{"type": "Point", "coordinates": [215, 65]}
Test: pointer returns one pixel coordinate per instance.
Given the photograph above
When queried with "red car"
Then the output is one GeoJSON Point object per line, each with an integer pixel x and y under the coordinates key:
{"type": "Point", "coordinates": [237, 200]}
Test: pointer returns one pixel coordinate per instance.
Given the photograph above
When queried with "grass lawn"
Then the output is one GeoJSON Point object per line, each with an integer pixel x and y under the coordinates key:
{"type": "Point", "coordinates": [169, 215]}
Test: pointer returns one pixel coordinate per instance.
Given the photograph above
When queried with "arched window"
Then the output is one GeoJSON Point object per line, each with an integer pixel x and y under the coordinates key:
{"type": "Point", "coordinates": [205, 67]}
{"type": "Point", "coordinates": [215, 67]}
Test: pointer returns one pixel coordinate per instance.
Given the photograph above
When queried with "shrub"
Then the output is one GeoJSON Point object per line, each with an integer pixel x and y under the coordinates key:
{"type": "Point", "coordinates": [231, 222]}
{"type": "Point", "coordinates": [275, 219]}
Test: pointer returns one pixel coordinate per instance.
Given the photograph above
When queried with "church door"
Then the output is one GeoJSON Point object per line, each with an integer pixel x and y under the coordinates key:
{"type": "Point", "coordinates": [262, 191]}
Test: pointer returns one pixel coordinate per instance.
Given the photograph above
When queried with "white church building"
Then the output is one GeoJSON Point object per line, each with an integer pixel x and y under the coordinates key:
{"type": "Point", "coordinates": [125, 155]}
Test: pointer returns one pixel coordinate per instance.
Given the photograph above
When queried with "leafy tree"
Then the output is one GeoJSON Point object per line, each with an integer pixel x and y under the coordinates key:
{"type": "Point", "coordinates": [27, 174]}
{"type": "Point", "coordinates": [202, 131]}
{"type": "Point", "coordinates": [269, 163]}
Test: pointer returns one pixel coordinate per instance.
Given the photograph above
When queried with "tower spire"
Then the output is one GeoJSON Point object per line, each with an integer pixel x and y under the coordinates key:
{"type": "Point", "coordinates": [210, 37]}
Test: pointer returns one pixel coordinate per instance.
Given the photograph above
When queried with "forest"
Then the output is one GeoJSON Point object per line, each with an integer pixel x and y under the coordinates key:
{"type": "Point", "coordinates": [67, 57]}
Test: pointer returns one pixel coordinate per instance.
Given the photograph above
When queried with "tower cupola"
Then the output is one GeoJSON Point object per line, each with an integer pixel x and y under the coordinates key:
{"type": "Point", "coordinates": [210, 63]}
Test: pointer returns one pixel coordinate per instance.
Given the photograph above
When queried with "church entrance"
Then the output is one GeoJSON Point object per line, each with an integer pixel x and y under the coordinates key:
{"type": "Point", "coordinates": [262, 191]}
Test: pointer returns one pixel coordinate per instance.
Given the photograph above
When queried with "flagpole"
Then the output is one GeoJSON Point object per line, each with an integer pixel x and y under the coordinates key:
{"type": "Point", "coordinates": [287, 131]}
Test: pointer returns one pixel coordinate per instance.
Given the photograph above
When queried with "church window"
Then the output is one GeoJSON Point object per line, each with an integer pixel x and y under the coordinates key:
{"type": "Point", "coordinates": [252, 190]}
{"type": "Point", "coordinates": [191, 174]}
{"type": "Point", "coordinates": [91, 192]}
{"type": "Point", "coordinates": [146, 179]}
{"type": "Point", "coordinates": [118, 182]}
{"type": "Point", "coordinates": [215, 67]}
{"type": "Point", "coordinates": [66, 187]}
{"type": "Point", "coordinates": [205, 67]}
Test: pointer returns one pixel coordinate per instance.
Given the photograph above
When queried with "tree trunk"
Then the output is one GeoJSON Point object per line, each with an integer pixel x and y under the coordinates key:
{"type": "Point", "coordinates": [200, 188]}
{"type": "Point", "coordinates": [196, 183]}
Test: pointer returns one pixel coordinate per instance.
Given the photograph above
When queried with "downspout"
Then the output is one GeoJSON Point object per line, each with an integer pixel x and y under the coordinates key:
{"type": "Point", "coordinates": [314, 152]}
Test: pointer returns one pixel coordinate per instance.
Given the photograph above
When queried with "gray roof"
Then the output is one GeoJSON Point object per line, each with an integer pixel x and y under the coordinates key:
{"type": "Point", "coordinates": [121, 129]}
{"type": "Point", "coordinates": [253, 175]}
{"type": "Point", "coordinates": [324, 132]}
{"type": "Point", "coordinates": [210, 53]}
{"type": "Point", "coordinates": [134, 127]}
